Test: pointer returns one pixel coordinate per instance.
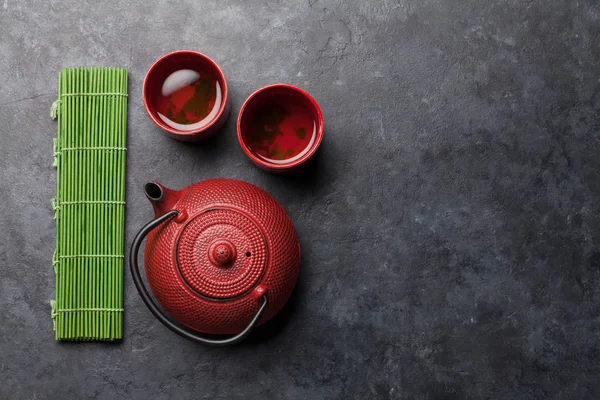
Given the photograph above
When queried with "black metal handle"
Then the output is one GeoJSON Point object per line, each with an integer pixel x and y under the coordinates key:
{"type": "Point", "coordinates": [160, 314]}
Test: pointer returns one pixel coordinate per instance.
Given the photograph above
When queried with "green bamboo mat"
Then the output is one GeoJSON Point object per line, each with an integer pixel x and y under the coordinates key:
{"type": "Point", "coordinates": [89, 154]}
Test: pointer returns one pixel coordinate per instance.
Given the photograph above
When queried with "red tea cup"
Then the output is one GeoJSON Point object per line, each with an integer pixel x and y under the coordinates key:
{"type": "Point", "coordinates": [185, 93]}
{"type": "Point", "coordinates": [280, 127]}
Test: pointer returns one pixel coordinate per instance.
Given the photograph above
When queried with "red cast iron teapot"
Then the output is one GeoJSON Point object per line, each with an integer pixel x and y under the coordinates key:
{"type": "Point", "coordinates": [222, 257]}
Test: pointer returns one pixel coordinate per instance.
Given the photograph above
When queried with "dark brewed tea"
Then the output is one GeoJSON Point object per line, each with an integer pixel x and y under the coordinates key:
{"type": "Point", "coordinates": [280, 128]}
{"type": "Point", "coordinates": [189, 99]}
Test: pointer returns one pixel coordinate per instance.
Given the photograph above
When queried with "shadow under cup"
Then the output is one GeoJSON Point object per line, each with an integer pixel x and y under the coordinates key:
{"type": "Point", "coordinates": [280, 127]}
{"type": "Point", "coordinates": [180, 84]}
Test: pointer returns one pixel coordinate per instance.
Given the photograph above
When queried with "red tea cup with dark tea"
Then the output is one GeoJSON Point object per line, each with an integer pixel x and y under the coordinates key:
{"type": "Point", "coordinates": [185, 93]}
{"type": "Point", "coordinates": [280, 127]}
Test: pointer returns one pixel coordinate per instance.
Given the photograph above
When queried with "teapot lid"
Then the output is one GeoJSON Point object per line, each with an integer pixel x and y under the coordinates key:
{"type": "Point", "coordinates": [221, 253]}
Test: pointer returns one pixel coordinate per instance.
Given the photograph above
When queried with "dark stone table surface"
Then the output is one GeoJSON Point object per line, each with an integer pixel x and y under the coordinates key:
{"type": "Point", "coordinates": [449, 225]}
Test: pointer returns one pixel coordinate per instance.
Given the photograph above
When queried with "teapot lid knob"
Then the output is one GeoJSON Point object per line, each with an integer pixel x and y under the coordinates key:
{"type": "Point", "coordinates": [222, 253]}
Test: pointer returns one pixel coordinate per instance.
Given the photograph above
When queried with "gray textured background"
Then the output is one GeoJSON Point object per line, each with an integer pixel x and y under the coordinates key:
{"type": "Point", "coordinates": [449, 226]}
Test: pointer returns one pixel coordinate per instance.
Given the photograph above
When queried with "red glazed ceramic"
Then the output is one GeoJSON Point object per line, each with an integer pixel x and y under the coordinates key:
{"type": "Point", "coordinates": [185, 93]}
{"type": "Point", "coordinates": [222, 256]}
{"type": "Point", "coordinates": [280, 127]}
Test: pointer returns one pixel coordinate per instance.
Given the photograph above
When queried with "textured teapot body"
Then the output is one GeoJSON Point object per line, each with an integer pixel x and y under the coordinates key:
{"type": "Point", "coordinates": [230, 245]}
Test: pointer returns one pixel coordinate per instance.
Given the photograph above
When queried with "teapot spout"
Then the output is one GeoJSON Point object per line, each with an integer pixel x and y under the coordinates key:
{"type": "Point", "coordinates": [162, 198]}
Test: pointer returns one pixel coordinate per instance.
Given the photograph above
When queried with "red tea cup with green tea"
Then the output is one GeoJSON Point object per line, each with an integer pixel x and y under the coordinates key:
{"type": "Point", "coordinates": [185, 93]}
{"type": "Point", "coordinates": [280, 127]}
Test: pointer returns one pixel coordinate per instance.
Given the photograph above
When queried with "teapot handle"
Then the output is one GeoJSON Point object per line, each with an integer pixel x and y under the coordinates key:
{"type": "Point", "coordinates": [160, 314]}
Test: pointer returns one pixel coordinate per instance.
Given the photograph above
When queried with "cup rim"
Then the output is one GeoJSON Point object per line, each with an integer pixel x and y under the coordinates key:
{"type": "Point", "coordinates": [166, 127]}
{"type": "Point", "coordinates": [295, 163]}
